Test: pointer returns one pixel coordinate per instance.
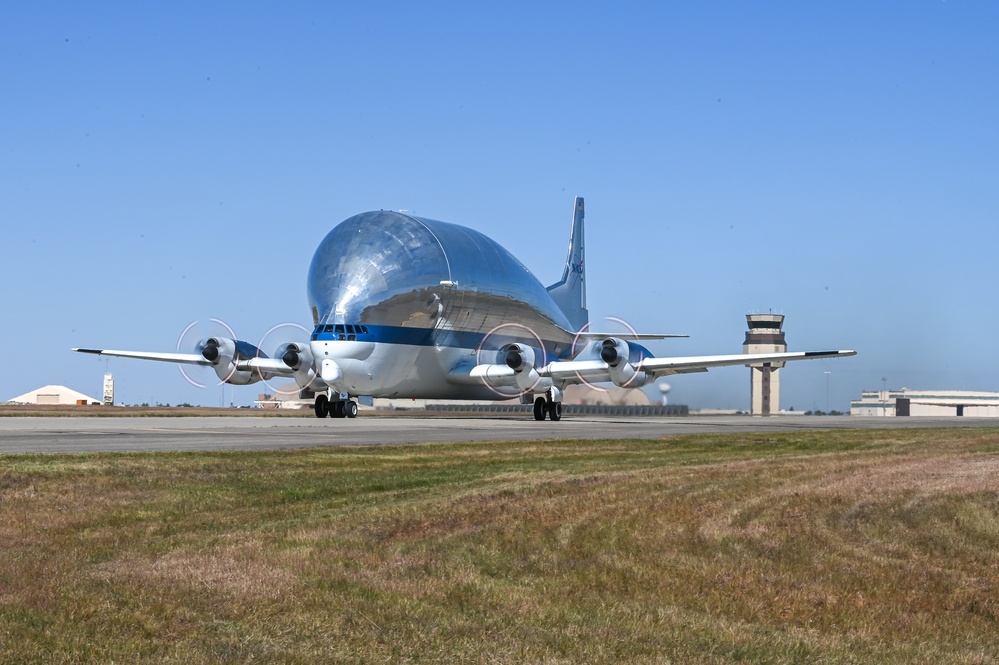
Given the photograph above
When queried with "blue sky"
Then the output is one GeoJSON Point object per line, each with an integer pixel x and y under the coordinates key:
{"type": "Point", "coordinates": [835, 162]}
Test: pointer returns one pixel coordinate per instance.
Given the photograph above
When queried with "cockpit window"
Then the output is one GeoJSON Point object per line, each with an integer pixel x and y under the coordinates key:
{"type": "Point", "coordinates": [341, 331]}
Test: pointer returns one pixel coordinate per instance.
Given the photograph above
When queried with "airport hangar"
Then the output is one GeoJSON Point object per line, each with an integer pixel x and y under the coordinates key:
{"type": "Point", "coordinates": [54, 395]}
{"type": "Point", "coordinates": [906, 402]}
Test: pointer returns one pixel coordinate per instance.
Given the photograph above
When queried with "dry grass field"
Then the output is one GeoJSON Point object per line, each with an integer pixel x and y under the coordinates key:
{"type": "Point", "coordinates": [812, 547]}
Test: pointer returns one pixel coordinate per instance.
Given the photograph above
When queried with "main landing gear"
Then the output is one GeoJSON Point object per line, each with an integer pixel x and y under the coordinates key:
{"type": "Point", "coordinates": [340, 408]}
{"type": "Point", "coordinates": [546, 406]}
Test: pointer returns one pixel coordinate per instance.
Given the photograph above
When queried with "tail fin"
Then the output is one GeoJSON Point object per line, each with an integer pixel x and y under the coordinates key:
{"type": "Point", "coordinates": [570, 293]}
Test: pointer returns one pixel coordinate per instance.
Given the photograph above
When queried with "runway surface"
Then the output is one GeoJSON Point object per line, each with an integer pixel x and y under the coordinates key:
{"type": "Point", "coordinates": [87, 435]}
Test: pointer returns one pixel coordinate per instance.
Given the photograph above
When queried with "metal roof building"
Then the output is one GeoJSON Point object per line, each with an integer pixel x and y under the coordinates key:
{"type": "Point", "coordinates": [907, 402]}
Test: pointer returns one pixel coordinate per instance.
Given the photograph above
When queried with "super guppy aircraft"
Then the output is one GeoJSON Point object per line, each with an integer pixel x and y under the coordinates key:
{"type": "Point", "coordinates": [415, 308]}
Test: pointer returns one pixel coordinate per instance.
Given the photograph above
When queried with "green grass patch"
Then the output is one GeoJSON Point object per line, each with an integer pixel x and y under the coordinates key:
{"type": "Point", "coordinates": [845, 546]}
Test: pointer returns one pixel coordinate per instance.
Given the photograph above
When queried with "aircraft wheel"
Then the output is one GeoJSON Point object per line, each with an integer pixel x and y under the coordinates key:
{"type": "Point", "coordinates": [539, 408]}
{"type": "Point", "coordinates": [337, 410]}
{"type": "Point", "coordinates": [351, 409]}
{"type": "Point", "coordinates": [555, 410]}
{"type": "Point", "coordinates": [322, 406]}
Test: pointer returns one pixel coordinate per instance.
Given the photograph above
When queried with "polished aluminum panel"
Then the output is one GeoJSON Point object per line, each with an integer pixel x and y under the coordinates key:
{"type": "Point", "coordinates": [392, 269]}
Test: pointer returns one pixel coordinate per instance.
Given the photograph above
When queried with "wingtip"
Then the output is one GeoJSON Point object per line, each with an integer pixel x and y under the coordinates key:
{"type": "Point", "coordinates": [829, 354]}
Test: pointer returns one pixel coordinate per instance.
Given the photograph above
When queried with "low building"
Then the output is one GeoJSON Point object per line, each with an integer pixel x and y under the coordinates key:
{"type": "Point", "coordinates": [906, 402]}
{"type": "Point", "coordinates": [605, 395]}
{"type": "Point", "coordinates": [54, 395]}
{"type": "Point", "coordinates": [285, 396]}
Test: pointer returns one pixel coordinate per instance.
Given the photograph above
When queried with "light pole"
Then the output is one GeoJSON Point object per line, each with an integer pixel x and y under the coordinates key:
{"type": "Point", "coordinates": [827, 391]}
{"type": "Point", "coordinates": [884, 395]}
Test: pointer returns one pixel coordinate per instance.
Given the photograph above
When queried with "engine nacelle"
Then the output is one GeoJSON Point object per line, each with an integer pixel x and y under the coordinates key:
{"type": "Point", "coordinates": [614, 351]}
{"type": "Point", "coordinates": [517, 357]}
{"type": "Point", "coordinates": [617, 354]}
{"type": "Point", "coordinates": [224, 354]}
{"type": "Point", "coordinates": [522, 359]}
{"type": "Point", "coordinates": [298, 357]}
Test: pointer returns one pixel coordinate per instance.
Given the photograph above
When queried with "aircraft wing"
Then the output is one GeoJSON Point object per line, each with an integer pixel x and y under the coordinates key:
{"type": "Point", "coordinates": [267, 366]}
{"type": "Point", "coordinates": [577, 371]}
{"type": "Point", "coordinates": [184, 358]}
{"type": "Point", "coordinates": [668, 366]}
{"type": "Point", "coordinates": [635, 336]}
{"type": "Point", "coordinates": [596, 371]}
{"type": "Point", "coordinates": [233, 367]}
{"type": "Point", "coordinates": [614, 366]}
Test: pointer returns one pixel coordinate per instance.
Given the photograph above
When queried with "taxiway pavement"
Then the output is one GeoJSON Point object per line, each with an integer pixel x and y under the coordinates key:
{"type": "Point", "coordinates": [89, 434]}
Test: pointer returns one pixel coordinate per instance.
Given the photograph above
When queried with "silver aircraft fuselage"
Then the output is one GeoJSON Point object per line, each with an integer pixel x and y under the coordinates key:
{"type": "Point", "coordinates": [399, 302]}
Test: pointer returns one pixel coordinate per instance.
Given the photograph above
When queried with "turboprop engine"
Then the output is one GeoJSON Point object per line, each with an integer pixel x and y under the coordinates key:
{"type": "Point", "coordinates": [299, 358]}
{"type": "Point", "coordinates": [226, 355]}
{"type": "Point", "coordinates": [522, 359]}
{"type": "Point", "coordinates": [617, 354]}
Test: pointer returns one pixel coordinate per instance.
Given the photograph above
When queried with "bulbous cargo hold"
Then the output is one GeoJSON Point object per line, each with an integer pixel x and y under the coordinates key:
{"type": "Point", "coordinates": [392, 270]}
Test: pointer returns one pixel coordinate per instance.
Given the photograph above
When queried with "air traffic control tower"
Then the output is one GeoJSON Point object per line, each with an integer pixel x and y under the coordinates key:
{"type": "Point", "coordinates": [765, 336]}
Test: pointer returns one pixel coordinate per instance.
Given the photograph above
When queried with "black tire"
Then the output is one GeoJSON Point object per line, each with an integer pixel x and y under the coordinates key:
{"type": "Point", "coordinates": [539, 408]}
{"type": "Point", "coordinates": [350, 409]}
{"type": "Point", "coordinates": [555, 410]}
{"type": "Point", "coordinates": [337, 409]}
{"type": "Point", "coordinates": [322, 406]}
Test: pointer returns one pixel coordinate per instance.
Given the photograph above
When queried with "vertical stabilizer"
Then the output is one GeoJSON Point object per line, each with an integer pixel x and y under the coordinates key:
{"type": "Point", "coordinates": [570, 293]}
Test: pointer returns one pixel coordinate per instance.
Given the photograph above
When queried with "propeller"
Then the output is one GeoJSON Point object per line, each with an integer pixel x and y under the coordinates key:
{"type": "Point", "coordinates": [207, 332]}
{"type": "Point", "coordinates": [516, 346]}
{"type": "Point", "coordinates": [293, 350]}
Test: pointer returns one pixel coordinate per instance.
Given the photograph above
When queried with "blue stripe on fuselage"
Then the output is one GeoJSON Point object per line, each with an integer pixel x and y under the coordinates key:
{"type": "Point", "coordinates": [462, 339]}
{"type": "Point", "coordinates": [386, 334]}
